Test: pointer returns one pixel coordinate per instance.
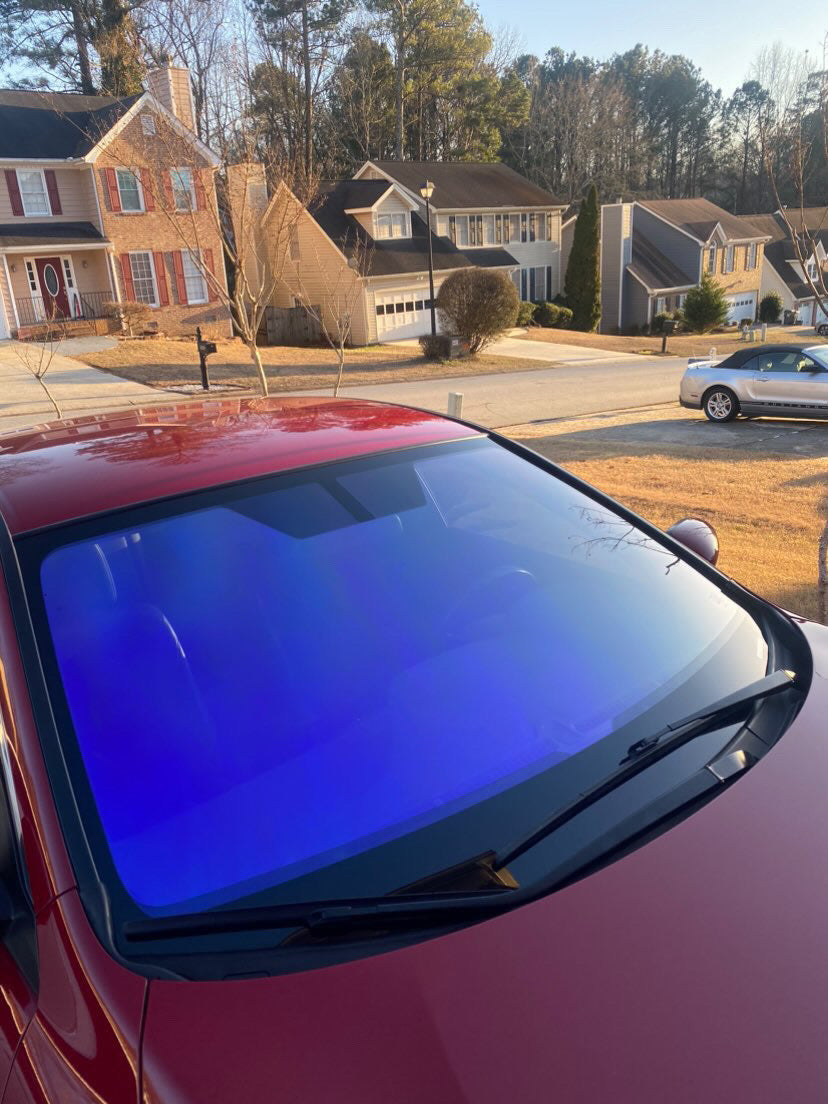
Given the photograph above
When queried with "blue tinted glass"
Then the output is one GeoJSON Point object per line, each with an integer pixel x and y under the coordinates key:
{"type": "Point", "coordinates": [265, 687]}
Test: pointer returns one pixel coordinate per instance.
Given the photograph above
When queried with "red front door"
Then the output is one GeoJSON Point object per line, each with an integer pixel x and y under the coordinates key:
{"type": "Point", "coordinates": [52, 287]}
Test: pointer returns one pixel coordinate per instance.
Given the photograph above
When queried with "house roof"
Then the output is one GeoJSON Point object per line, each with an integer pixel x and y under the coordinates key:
{"type": "Point", "coordinates": [55, 125]}
{"type": "Point", "coordinates": [395, 256]}
{"type": "Point", "coordinates": [653, 269]}
{"type": "Point", "coordinates": [700, 217]}
{"type": "Point", "coordinates": [779, 251]}
{"type": "Point", "coordinates": [21, 234]}
{"type": "Point", "coordinates": [359, 193]}
{"type": "Point", "coordinates": [469, 184]}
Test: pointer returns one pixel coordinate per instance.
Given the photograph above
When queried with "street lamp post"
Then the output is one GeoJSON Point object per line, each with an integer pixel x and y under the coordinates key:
{"type": "Point", "coordinates": [426, 192]}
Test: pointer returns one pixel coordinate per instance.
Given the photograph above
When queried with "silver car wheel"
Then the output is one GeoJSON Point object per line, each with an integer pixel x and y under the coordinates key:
{"type": "Point", "coordinates": [720, 406]}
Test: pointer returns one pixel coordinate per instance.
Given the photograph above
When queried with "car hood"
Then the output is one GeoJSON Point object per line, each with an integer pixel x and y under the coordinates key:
{"type": "Point", "coordinates": [693, 969]}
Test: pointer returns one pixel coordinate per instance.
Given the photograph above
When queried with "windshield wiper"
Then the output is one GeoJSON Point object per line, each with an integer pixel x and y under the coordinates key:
{"type": "Point", "coordinates": [643, 753]}
{"type": "Point", "coordinates": [323, 916]}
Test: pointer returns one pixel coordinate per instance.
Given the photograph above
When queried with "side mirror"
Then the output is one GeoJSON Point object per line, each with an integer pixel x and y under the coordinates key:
{"type": "Point", "coordinates": [698, 536]}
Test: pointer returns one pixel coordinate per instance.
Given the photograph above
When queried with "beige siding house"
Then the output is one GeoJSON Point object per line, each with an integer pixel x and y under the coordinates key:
{"type": "Point", "coordinates": [104, 200]}
{"type": "Point", "coordinates": [783, 272]}
{"type": "Point", "coordinates": [364, 243]}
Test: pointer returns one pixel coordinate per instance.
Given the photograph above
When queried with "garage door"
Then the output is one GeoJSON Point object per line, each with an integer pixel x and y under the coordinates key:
{"type": "Point", "coordinates": [821, 316]}
{"type": "Point", "coordinates": [742, 308]}
{"type": "Point", "coordinates": [402, 314]}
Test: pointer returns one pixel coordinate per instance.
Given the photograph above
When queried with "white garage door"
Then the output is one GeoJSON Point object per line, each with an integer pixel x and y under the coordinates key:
{"type": "Point", "coordinates": [742, 308]}
{"type": "Point", "coordinates": [402, 314]}
{"type": "Point", "coordinates": [821, 316]}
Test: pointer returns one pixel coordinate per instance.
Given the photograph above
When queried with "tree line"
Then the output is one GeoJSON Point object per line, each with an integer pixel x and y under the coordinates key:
{"type": "Point", "coordinates": [325, 84]}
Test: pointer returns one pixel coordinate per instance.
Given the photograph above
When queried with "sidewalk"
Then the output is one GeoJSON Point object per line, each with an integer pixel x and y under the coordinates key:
{"type": "Point", "coordinates": [77, 389]}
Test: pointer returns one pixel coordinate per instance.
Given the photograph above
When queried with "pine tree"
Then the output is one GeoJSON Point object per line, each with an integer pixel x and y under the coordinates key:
{"type": "Point", "coordinates": [705, 307]}
{"type": "Point", "coordinates": [582, 284]}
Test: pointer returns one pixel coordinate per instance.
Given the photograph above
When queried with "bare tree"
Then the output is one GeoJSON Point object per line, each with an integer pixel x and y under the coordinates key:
{"type": "Point", "coordinates": [37, 356]}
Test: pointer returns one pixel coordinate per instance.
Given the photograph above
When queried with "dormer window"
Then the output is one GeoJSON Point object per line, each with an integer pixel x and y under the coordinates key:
{"type": "Point", "coordinates": [391, 226]}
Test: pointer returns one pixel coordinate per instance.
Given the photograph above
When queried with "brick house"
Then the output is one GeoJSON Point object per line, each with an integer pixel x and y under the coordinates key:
{"type": "Point", "coordinates": [108, 199]}
{"type": "Point", "coordinates": [653, 251]}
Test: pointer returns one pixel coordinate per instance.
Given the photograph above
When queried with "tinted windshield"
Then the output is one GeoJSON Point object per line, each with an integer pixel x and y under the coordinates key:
{"type": "Point", "coordinates": [273, 683]}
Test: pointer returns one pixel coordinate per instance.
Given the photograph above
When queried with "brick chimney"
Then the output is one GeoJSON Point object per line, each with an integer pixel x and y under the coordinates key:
{"type": "Point", "coordinates": [170, 84]}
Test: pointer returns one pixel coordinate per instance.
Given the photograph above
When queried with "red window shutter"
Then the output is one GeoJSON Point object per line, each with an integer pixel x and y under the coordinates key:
{"type": "Point", "coordinates": [126, 272]}
{"type": "Point", "coordinates": [161, 279]}
{"type": "Point", "coordinates": [212, 289]}
{"type": "Point", "coordinates": [180, 282]}
{"type": "Point", "coordinates": [169, 198]}
{"type": "Point", "coordinates": [52, 189]}
{"type": "Point", "coordinates": [14, 192]}
{"type": "Point", "coordinates": [201, 198]}
{"type": "Point", "coordinates": [146, 187]}
{"type": "Point", "coordinates": [112, 189]}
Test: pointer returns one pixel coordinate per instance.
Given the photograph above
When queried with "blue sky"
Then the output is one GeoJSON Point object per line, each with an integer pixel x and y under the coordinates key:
{"type": "Point", "coordinates": [710, 33]}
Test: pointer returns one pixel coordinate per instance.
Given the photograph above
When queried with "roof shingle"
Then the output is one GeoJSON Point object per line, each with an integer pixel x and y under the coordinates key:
{"type": "Point", "coordinates": [55, 125]}
{"type": "Point", "coordinates": [462, 185]}
{"type": "Point", "coordinates": [699, 218]}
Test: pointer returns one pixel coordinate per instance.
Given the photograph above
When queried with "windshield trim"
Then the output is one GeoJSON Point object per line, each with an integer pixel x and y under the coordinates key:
{"type": "Point", "coordinates": [775, 626]}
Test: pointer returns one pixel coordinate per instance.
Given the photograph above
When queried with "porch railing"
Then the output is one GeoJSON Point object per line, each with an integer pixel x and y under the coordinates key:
{"type": "Point", "coordinates": [83, 306]}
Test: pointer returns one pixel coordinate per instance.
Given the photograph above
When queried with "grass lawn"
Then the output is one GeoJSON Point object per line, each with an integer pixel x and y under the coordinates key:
{"type": "Point", "coordinates": [677, 345]}
{"type": "Point", "coordinates": [167, 362]}
{"type": "Point", "coordinates": [768, 509]}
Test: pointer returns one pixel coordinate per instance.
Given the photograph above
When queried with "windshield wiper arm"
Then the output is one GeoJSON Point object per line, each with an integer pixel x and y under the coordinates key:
{"type": "Point", "coordinates": [643, 753]}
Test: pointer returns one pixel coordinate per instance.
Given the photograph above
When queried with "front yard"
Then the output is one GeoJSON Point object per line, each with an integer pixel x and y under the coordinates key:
{"type": "Point", "coordinates": [767, 507]}
{"type": "Point", "coordinates": [677, 345]}
{"type": "Point", "coordinates": [173, 363]}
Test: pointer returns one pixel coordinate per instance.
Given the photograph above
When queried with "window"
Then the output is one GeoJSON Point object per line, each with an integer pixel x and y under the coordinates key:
{"type": "Point", "coordinates": [472, 230]}
{"type": "Point", "coordinates": [30, 276]}
{"type": "Point", "coordinates": [783, 362]}
{"type": "Point", "coordinates": [452, 227]}
{"type": "Point", "coordinates": [486, 688]}
{"type": "Point", "coordinates": [499, 229]}
{"type": "Point", "coordinates": [549, 281]}
{"type": "Point", "coordinates": [812, 270]}
{"type": "Point", "coordinates": [148, 124]}
{"type": "Point", "coordinates": [183, 189]}
{"type": "Point", "coordinates": [549, 226]}
{"type": "Point", "coordinates": [67, 273]}
{"type": "Point", "coordinates": [143, 278]}
{"type": "Point", "coordinates": [532, 227]}
{"type": "Point", "coordinates": [729, 253]}
{"type": "Point", "coordinates": [488, 230]}
{"type": "Point", "coordinates": [391, 226]}
{"type": "Point", "coordinates": [294, 243]}
{"type": "Point", "coordinates": [750, 256]}
{"type": "Point", "coordinates": [524, 234]}
{"type": "Point", "coordinates": [540, 283]}
{"type": "Point", "coordinates": [524, 284]}
{"type": "Point", "coordinates": [660, 305]}
{"type": "Point", "coordinates": [711, 259]}
{"type": "Point", "coordinates": [540, 226]}
{"type": "Point", "coordinates": [193, 277]}
{"type": "Point", "coordinates": [33, 192]}
{"type": "Point", "coordinates": [129, 190]}
{"type": "Point", "coordinates": [462, 223]}
{"type": "Point", "coordinates": [514, 228]}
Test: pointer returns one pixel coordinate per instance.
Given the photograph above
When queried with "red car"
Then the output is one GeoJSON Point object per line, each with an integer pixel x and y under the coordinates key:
{"type": "Point", "coordinates": [351, 753]}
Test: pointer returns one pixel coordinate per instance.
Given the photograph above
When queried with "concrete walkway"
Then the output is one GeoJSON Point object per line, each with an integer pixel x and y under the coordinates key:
{"type": "Point", "coordinates": [548, 352]}
{"type": "Point", "coordinates": [77, 388]}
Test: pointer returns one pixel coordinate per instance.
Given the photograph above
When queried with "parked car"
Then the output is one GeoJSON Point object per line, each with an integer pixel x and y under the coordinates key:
{"type": "Point", "coordinates": [355, 753]}
{"type": "Point", "coordinates": [783, 381]}
{"type": "Point", "coordinates": [822, 329]}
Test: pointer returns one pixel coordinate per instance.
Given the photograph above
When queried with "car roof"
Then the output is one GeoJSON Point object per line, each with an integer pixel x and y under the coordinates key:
{"type": "Point", "coordinates": [741, 355]}
{"type": "Point", "coordinates": [61, 471]}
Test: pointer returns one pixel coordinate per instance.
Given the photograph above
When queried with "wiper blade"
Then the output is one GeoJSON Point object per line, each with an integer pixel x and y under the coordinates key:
{"type": "Point", "coordinates": [323, 916]}
{"type": "Point", "coordinates": [643, 753]}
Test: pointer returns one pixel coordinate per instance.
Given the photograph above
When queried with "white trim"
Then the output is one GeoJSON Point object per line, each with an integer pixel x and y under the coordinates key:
{"type": "Point", "coordinates": [94, 178]}
{"type": "Point", "coordinates": [55, 247]}
{"type": "Point", "coordinates": [35, 214]}
{"type": "Point", "coordinates": [145, 253]}
{"type": "Point", "coordinates": [659, 291]}
{"type": "Point", "coordinates": [11, 292]}
{"type": "Point", "coordinates": [194, 255]}
{"type": "Point", "coordinates": [114, 286]}
{"type": "Point", "coordinates": [392, 187]}
{"type": "Point", "coordinates": [192, 189]}
{"type": "Point", "coordinates": [491, 207]}
{"type": "Point", "coordinates": [148, 100]}
{"type": "Point", "coordinates": [137, 178]}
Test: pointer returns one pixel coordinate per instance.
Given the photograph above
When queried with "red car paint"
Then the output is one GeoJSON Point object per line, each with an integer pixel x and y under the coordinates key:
{"type": "Point", "coordinates": [693, 969]}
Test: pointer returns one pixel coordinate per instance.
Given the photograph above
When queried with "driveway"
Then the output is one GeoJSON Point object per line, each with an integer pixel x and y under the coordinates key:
{"type": "Point", "coordinates": [77, 388]}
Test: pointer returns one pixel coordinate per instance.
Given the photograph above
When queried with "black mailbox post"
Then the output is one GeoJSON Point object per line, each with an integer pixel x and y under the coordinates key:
{"type": "Point", "coordinates": [205, 349]}
{"type": "Point", "coordinates": [666, 329]}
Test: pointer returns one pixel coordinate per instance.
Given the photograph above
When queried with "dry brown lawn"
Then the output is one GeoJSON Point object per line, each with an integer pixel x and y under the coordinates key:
{"type": "Point", "coordinates": [767, 509]}
{"type": "Point", "coordinates": [678, 345]}
{"type": "Point", "coordinates": [171, 363]}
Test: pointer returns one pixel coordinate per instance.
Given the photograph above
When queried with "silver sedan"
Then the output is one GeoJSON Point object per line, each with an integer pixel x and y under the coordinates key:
{"type": "Point", "coordinates": [783, 381]}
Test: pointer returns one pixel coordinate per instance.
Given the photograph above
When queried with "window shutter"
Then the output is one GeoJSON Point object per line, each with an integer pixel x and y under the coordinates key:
{"type": "Point", "coordinates": [52, 189]}
{"type": "Point", "coordinates": [200, 195]}
{"type": "Point", "coordinates": [14, 192]}
{"type": "Point", "coordinates": [161, 279]}
{"type": "Point", "coordinates": [212, 289]}
{"type": "Point", "coordinates": [146, 187]}
{"type": "Point", "coordinates": [126, 272]}
{"type": "Point", "coordinates": [169, 198]}
{"type": "Point", "coordinates": [112, 188]}
{"type": "Point", "coordinates": [180, 282]}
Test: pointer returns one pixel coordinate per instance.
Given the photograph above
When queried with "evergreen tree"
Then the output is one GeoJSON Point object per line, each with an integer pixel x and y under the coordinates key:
{"type": "Point", "coordinates": [705, 307]}
{"type": "Point", "coordinates": [582, 284]}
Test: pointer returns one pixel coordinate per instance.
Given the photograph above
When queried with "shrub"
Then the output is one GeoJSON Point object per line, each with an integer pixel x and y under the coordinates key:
{"type": "Point", "coordinates": [770, 308]}
{"type": "Point", "coordinates": [705, 307]}
{"type": "Point", "coordinates": [526, 313]}
{"type": "Point", "coordinates": [435, 346]}
{"type": "Point", "coordinates": [478, 305]}
{"type": "Point", "coordinates": [129, 313]}
{"type": "Point", "coordinates": [551, 315]}
{"type": "Point", "coordinates": [657, 325]}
